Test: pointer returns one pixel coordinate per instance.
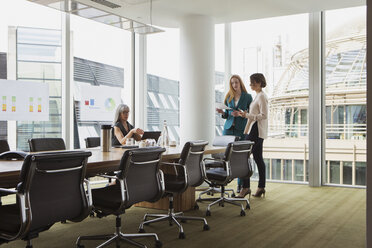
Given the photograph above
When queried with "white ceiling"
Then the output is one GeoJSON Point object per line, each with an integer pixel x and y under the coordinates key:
{"type": "Point", "coordinates": [169, 13]}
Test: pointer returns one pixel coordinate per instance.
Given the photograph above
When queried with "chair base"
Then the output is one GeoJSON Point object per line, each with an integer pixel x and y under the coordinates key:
{"type": "Point", "coordinates": [222, 200]}
{"type": "Point", "coordinates": [172, 217]}
{"type": "Point", "coordinates": [117, 237]}
{"type": "Point", "coordinates": [214, 190]}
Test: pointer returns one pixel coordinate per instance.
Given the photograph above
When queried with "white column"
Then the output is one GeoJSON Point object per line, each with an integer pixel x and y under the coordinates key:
{"type": "Point", "coordinates": [140, 87]}
{"type": "Point", "coordinates": [197, 97]}
{"type": "Point", "coordinates": [227, 55]}
{"type": "Point", "coordinates": [316, 98]}
{"type": "Point", "coordinates": [67, 83]}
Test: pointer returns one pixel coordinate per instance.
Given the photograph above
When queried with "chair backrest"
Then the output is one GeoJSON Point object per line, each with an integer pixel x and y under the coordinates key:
{"type": "Point", "coordinates": [140, 171]}
{"type": "Point", "coordinates": [46, 144]}
{"type": "Point", "coordinates": [237, 154]}
{"type": "Point", "coordinates": [4, 146]}
{"type": "Point", "coordinates": [192, 156]}
{"type": "Point", "coordinates": [52, 183]}
{"type": "Point", "coordinates": [223, 140]}
{"type": "Point", "coordinates": [91, 142]}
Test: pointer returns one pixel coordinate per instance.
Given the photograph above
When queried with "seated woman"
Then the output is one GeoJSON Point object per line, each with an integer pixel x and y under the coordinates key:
{"type": "Point", "coordinates": [123, 130]}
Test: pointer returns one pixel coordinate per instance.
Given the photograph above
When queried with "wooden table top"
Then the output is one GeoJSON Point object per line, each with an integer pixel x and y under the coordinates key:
{"type": "Point", "coordinates": [99, 162]}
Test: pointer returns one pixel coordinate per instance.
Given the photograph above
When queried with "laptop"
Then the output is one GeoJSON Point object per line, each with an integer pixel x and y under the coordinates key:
{"type": "Point", "coordinates": [151, 135]}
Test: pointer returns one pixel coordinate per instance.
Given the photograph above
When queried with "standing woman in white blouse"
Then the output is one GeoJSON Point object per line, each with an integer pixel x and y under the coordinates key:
{"type": "Point", "coordinates": [256, 130]}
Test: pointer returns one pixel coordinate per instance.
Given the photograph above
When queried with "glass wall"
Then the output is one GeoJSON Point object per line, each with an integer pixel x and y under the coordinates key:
{"type": "Point", "coordinates": [163, 82]}
{"type": "Point", "coordinates": [30, 51]}
{"type": "Point", "coordinates": [346, 114]}
{"type": "Point", "coordinates": [39, 60]}
{"type": "Point", "coordinates": [102, 75]}
{"type": "Point", "coordinates": [281, 54]}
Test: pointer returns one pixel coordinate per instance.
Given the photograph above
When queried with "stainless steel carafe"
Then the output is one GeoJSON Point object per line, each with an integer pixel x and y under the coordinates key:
{"type": "Point", "coordinates": [106, 138]}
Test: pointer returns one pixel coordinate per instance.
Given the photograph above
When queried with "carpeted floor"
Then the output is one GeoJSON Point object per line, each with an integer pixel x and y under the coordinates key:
{"type": "Point", "coordinates": [289, 216]}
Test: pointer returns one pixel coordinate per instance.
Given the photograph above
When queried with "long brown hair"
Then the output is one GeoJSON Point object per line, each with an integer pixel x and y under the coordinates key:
{"type": "Point", "coordinates": [230, 95]}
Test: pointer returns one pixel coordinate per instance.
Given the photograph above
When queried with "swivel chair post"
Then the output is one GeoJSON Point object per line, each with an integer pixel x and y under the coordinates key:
{"type": "Point", "coordinates": [212, 190]}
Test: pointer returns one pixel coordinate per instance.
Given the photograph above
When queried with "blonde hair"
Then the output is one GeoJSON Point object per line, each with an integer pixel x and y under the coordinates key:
{"type": "Point", "coordinates": [230, 95]}
{"type": "Point", "coordinates": [120, 109]}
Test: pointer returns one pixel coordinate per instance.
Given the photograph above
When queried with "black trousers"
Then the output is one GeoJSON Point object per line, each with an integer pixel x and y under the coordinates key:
{"type": "Point", "coordinates": [258, 158]}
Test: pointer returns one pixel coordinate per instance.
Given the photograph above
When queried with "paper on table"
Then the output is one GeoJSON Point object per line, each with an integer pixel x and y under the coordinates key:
{"type": "Point", "coordinates": [221, 106]}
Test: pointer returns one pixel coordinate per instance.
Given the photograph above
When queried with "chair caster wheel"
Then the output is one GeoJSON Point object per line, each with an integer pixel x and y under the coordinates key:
{"type": "Point", "coordinates": [183, 221]}
{"type": "Point", "coordinates": [233, 195]}
{"type": "Point", "coordinates": [196, 207]}
{"type": "Point", "coordinates": [206, 227]}
{"type": "Point", "coordinates": [208, 213]}
{"type": "Point", "coordinates": [158, 244]}
{"type": "Point", "coordinates": [248, 207]}
{"type": "Point", "coordinates": [79, 246]}
{"type": "Point", "coordinates": [242, 213]}
{"type": "Point", "coordinates": [141, 230]}
{"type": "Point", "coordinates": [28, 246]}
{"type": "Point", "coordinates": [181, 235]}
{"type": "Point", "coordinates": [91, 215]}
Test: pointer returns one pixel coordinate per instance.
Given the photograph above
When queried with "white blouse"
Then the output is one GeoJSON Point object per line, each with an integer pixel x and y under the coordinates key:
{"type": "Point", "coordinates": [258, 111]}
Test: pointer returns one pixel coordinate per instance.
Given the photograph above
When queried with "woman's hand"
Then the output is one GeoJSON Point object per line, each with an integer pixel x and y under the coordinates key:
{"type": "Point", "coordinates": [243, 113]}
{"type": "Point", "coordinates": [220, 111]}
{"type": "Point", "coordinates": [137, 131]}
{"type": "Point", "coordinates": [235, 113]}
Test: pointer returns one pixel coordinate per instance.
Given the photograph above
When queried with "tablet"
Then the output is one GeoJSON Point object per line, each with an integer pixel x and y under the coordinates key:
{"type": "Point", "coordinates": [151, 135]}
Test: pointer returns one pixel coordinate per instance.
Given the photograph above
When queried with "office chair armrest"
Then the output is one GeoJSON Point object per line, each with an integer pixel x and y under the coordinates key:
{"type": "Point", "coordinates": [89, 193]}
{"type": "Point", "coordinates": [213, 159]}
{"type": "Point", "coordinates": [4, 192]}
{"type": "Point", "coordinates": [174, 164]}
{"type": "Point", "coordinates": [109, 177]}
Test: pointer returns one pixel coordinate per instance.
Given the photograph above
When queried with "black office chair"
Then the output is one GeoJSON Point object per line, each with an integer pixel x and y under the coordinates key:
{"type": "Point", "coordinates": [234, 165]}
{"type": "Point", "coordinates": [4, 146]}
{"type": "Point", "coordinates": [91, 142]}
{"type": "Point", "coordinates": [51, 189]}
{"type": "Point", "coordinates": [213, 188]}
{"type": "Point", "coordinates": [190, 171]}
{"type": "Point", "coordinates": [46, 144]}
{"type": "Point", "coordinates": [139, 180]}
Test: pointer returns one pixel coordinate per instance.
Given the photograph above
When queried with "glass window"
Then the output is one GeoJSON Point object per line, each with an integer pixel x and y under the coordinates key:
{"type": "Point", "coordinates": [287, 170]}
{"type": "Point", "coordinates": [299, 170]}
{"type": "Point", "coordinates": [334, 170]}
{"type": "Point", "coordinates": [276, 169]}
{"type": "Point", "coordinates": [347, 172]}
{"type": "Point", "coordinates": [360, 173]}
{"type": "Point", "coordinates": [163, 82]}
{"type": "Point", "coordinates": [102, 72]}
{"type": "Point", "coordinates": [346, 113]}
{"type": "Point", "coordinates": [31, 66]}
{"type": "Point", "coordinates": [281, 54]}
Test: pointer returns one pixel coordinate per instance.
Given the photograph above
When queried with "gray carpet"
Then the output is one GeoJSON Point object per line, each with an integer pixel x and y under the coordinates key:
{"type": "Point", "coordinates": [289, 216]}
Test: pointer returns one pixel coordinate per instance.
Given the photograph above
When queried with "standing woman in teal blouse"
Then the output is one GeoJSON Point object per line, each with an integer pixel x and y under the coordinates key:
{"type": "Point", "coordinates": [236, 99]}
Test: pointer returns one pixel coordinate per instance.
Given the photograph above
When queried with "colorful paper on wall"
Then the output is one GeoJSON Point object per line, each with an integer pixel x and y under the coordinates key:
{"type": "Point", "coordinates": [98, 103]}
{"type": "Point", "coordinates": [24, 101]}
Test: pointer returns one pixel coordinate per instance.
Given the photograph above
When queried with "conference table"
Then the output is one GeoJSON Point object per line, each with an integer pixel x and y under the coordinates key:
{"type": "Point", "coordinates": [103, 162]}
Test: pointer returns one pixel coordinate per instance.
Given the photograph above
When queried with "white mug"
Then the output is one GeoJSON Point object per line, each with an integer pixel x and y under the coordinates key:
{"type": "Point", "coordinates": [130, 142]}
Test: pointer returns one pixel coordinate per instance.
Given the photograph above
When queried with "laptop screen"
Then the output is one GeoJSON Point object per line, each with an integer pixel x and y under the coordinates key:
{"type": "Point", "coordinates": [151, 135]}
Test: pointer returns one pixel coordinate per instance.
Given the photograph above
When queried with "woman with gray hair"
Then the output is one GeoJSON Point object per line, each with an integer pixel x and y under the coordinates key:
{"type": "Point", "coordinates": [123, 130]}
